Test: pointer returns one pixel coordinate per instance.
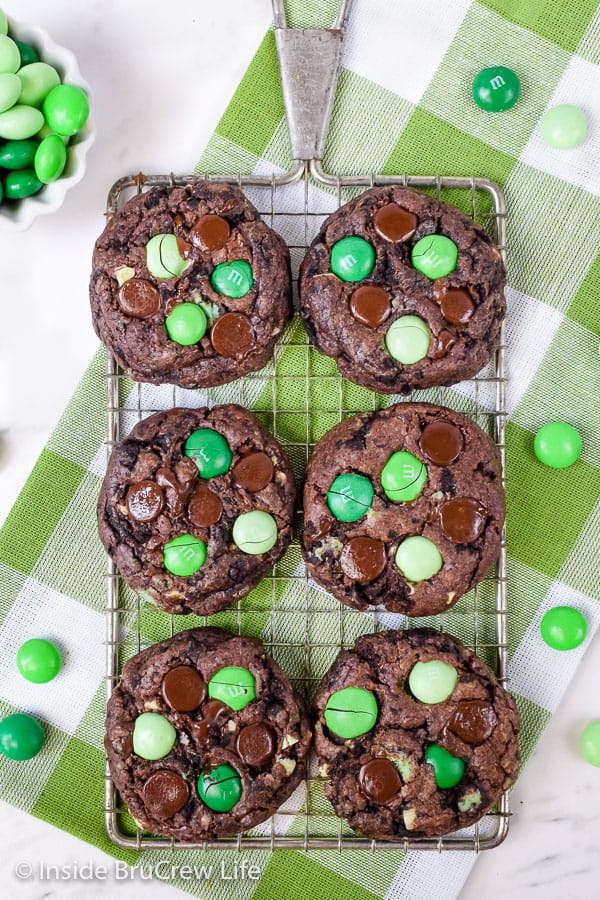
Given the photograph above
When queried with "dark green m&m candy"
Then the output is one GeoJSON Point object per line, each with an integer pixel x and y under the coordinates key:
{"type": "Point", "coordinates": [563, 628]}
{"type": "Point", "coordinates": [234, 686]}
{"type": "Point", "coordinates": [232, 279]}
{"type": "Point", "coordinates": [28, 53]}
{"type": "Point", "coordinates": [448, 769]}
{"type": "Point", "coordinates": [184, 555]}
{"type": "Point", "coordinates": [496, 89]}
{"type": "Point", "coordinates": [403, 477]}
{"type": "Point", "coordinates": [352, 258]}
{"type": "Point", "coordinates": [18, 154]}
{"type": "Point", "coordinates": [349, 497]}
{"type": "Point", "coordinates": [210, 451]}
{"type": "Point", "coordinates": [20, 184]}
{"type": "Point", "coordinates": [350, 712]}
{"type": "Point", "coordinates": [220, 788]}
{"type": "Point", "coordinates": [21, 736]}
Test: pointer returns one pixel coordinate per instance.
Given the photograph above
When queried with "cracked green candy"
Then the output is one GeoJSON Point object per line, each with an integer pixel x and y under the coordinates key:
{"type": "Point", "coordinates": [435, 256]}
{"type": "Point", "coordinates": [255, 532]}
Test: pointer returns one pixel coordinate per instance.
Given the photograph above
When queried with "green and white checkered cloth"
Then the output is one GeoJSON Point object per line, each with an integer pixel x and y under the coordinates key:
{"type": "Point", "coordinates": [403, 105]}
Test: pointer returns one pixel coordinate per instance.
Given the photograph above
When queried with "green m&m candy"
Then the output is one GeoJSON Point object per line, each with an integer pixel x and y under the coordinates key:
{"type": "Point", "coordinates": [210, 451]}
{"type": "Point", "coordinates": [418, 558]}
{"type": "Point", "coordinates": [18, 154]}
{"type": "Point", "coordinates": [38, 660]}
{"type": "Point", "coordinates": [563, 126]}
{"type": "Point", "coordinates": [349, 497]}
{"type": "Point", "coordinates": [50, 159]}
{"type": "Point", "coordinates": [407, 340]}
{"type": "Point", "coordinates": [432, 682]}
{"type": "Point", "coordinates": [496, 89]}
{"type": "Point", "coordinates": [184, 555]}
{"type": "Point", "coordinates": [37, 80]}
{"type": "Point", "coordinates": [66, 109]}
{"type": "Point", "coordinates": [21, 736]}
{"type": "Point", "coordinates": [232, 279]}
{"type": "Point", "coordinates": [28, 53]}
{"type": "Point", "coordinates": [10, 58]}
{"type": "Point", "coordinates": [10, 88]}
{"type": "Point", "coordinates": [220, 788]}
{"type": "Point", "coordinates": [352, 258]}
{"type": "Point", "coordinates": [255, 532]}
{"type": "Point", "coordinates": [350, 712]}
{"type": "Point", "coordinates": [153, 736]}
{"type": "Point", "coordinates": [3, 22]}
{"type": "Point", "coordinates": [186, 324]}
{"type": "Point", "coordinates": [403, 477]}
{"type": "Point", "coordinates": [448, 769]}
{"type": "Point", "coordinates": [22, 183]}
{"type": "Point", "coordinates": [589, 744]}
{"type": "Point", "coordinates": [435, 256]}
{"type": "Point", "coordinates": [557, 445]}
{"type": "Point", "coordinates": [233, 686]}
{"type": "Point", "coordinates": [20, 122]}
{"type": "Point", "coordinates": [563, 628]}
{"type": "Point", "coordinates": [163, 259]}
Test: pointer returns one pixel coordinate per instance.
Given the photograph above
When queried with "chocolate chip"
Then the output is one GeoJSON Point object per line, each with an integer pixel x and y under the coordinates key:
{"type": "Point", "coordinates": [139, 298]}
{"type": "Point", "coordinates": [165, 794]}
{"type": "Point", "coordinates": [183, 688]}
{"type": "Point", "coordinates": [463, 519]}
{"type": "Point", "coordinates": [394, 223]}
{"type": "Point", "coordinates": [256, 744]}
{"type": "Point", "coordinates": [456, 305]}
{"type": "Point", "coordinates": [145, 501]}
{"type": "Point", "coordinates": [363, 559]}
{"type": "Point", "coordinates": [370, 305]}
{"type": "Point", "coordinates": [205, 507]}
{"type": "Point", "coordinates": [441, 442]}
{"type": "Point", "coordinates": [473, 721]}
{"type": "Point", "coordinates": [213, 713]}
{"type": "Point", "coordinates": [232, 334]}
{"type": "Point", "coordinates": [210, 232]}
{"type": "Point", "coordinates": [379, 780]}
{"type": "Point", "coordinates": [442, 344]}
{"type": "Point", "coordinates": [254, 471]}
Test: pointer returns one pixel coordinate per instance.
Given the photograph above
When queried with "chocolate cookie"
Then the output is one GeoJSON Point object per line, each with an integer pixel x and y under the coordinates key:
{"type": "Point", "coordinates": [189, 286]}
{"type": "Point", "coordinates": [403, 291]}
{"type": "Point", "coordinates": [403, 507]}
{"type": "Point", "coordinates": [415, 733]}
{"type": "Point", "coordinates": [197, 505]}
{"type": "Point", "coordinates": [205, 735]}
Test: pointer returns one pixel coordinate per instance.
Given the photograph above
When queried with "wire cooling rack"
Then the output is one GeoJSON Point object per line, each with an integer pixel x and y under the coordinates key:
{"type": "Point", "coordinates": [299, 396]}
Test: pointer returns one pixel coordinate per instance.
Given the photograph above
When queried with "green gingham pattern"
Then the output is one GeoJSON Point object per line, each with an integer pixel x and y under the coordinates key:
{"type": "Point", "coordinates": [402, 105]}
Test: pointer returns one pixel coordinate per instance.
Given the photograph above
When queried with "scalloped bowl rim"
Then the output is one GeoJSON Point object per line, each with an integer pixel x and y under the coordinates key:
{"type": "Point", "coordinates": [20, 216]}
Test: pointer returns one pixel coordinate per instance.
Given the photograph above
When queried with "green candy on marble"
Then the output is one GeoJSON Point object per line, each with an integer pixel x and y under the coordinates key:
{"type": "Point", "coordinates": [17, 154]}
{"type": "Point", "coordinates": [448, 769]}
{"type": "Point", "coordinates": [10, 58]}
{"type": "Point", "coordinates": [50, 159]}
{"type": "Point", "coordinates": [210, 451]}
{"type": "Point", "coordinates": [21, 737]}
{"type": "Point", "coordinates": [435, 256]}
{"type": "Point", "coordinates": [28, 53]}
{"type": "Point", "coordinates": [220, 788]}
{"type": "Point", "coordinates": [21, 183]}
{"type": "Point", "coordinates": [20, 122]}
{"type": "Point", "coordinates": [163, 258]}
{"type": "Point", "coordinates": [403, 477]}
{"type": "Point", "coordinates": [418, 558]}
{"type": "Point", "coordinates": [432, 682]}
{"type": "Point", "coordinates": [66, 109]}
{"type": "Point", "coordinates": [153, 736]}
{"type": "Point", "coordinates": [407, 340]}
{"type": "Point", "coordinates": [10, 88]}
{"type": "Point", "coordinates": [350, 712]}
{"type": "Point", "coordinates": [37, 80]}
{"type": "Point", "coordinates": [255, 532]}
{"type": "Point", "coordinates": [234, 686]}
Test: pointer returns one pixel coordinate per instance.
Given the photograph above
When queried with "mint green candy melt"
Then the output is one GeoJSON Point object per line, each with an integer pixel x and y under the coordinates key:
{"type": "Point", "coordinates": [432, 682]}
{"type": "Point", "coordinates": [407, 340]}
{"type": "Point", "coordinates": [153, 736]}
{"type": "Point", "coordinates": [37, 80]}
{"type": "Point", "coordinates": [418, 558]}
{"type": "Point", "coordinates": [50, 159]}
{"type": "Point", "coordinates": [563, 126]}
{"type": "Point", "coordinates": [10, 58]}
{"type": "Point", "coordinates": [20, 122]}
{"type": "Point", "coordinates": [163, 258]}
{"type": "Point", "coordinates": [66, 109]}
{"type": "Point", "coordinates": [589, 744]}
{"type": "Point", "coordinates": [3, 23]}
{"type": "Point", "coordinates": [10, 88]}
{"type": "Point", "coordinates": [255, 532]}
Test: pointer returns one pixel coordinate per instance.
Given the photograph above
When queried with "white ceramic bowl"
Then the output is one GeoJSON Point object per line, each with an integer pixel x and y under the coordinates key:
{"type": "Point", "coordinates": [18, 215]}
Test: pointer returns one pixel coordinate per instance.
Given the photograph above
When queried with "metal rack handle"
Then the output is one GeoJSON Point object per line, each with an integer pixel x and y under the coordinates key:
{"type": "Point", "coordinates": [309, 60]}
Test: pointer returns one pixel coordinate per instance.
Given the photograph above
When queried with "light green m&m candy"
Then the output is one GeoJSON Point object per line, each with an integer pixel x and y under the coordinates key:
{"type": "Point", "coordinates": [557, 445]}
{"type": "Point", "coordinates": [37, 80]}
{"type": "Point", "coordinates": [448, 769]}
{"type": "Point", "coordinates": [220, 788]}
{"type": "Point", "coordinates": [407, 340]}
{"type": "Point", "coordinates": [38, 660]}
{"type": "Point", "coordinates": [18, 154]}
{"type": "Point", "coordinates": [496, 89]}
{"type": "Point", "coordinates": [184, 555]}
{"type": "Point", "coordinates": [403, 477]}
{"type": "Point", "coordinates": [163, 258]}
{"type": "Point", "coordinates": [3, 22]}
{"type": "Point", "coordinates": [233, 686]}
{"type": "Point", "coordinates": [589, 744]}
{"type": "Point", "coordinates": [435, 256]}
{"type": "Point", "coordinates": [349, 497]}
{"type": "Point", "coordinates": [66, 109]}
{"type": "Point", "coordinates": [22, 183]}
{"type": "Point", "coordinates": [28, 53]}
{"type": "Point", "coordinates": [418, 558]}
{"type": "Point", "coordinates": [432, 682]}
{"type": "Point", "coordinates": [563, 628]}
{"type": "Point", "coordinates": [21, 736]}
{"type": "Point", "coordinates": [352, 258]}
{"type": "Point", "coordinates": [10, 88]}
{"type": "Point", "coordinates": [186, 324]}
{"type": "Point", "coordinates": [563, 126]}
{"type": "Point", "coordinates": [350, 712]}
{"type": "Point", "coordinates": [153, 736]}
{"type": "Point", "coordinates": [232, 279]}
{"type": "Point", "coordinates": [50, 159]}
{"type": "Point", "coordinates": [20, 122]}
{"type": "Point", "coordinates": [10, 58]}
{"type": "Point", "coordinates": [255, 532]}
{"type": "Point", "coordinates": [210, 451]}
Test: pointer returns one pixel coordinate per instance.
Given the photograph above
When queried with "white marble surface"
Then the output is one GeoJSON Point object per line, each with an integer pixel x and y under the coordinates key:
{"type": "Point", "coordinates": [153, 66]}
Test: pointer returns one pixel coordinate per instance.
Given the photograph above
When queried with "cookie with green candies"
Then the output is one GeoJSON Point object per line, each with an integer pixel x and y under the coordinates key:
{"type": "Point", "coordinates": [403, 509]}
{"type": "Point", "coordinates": [414, 734]}
{"type": "Point", "coordinates": [189, 286]}
{"type": "Point", "coordinates": [205, 735]}
{"type": "Point", "coordinates": [403, 291]}
{"type": "Point", "coordinates": [196, 507]}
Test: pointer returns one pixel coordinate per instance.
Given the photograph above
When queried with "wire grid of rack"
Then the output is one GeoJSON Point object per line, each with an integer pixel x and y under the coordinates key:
{"type": "Point", "coordinates": [295, 204]}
